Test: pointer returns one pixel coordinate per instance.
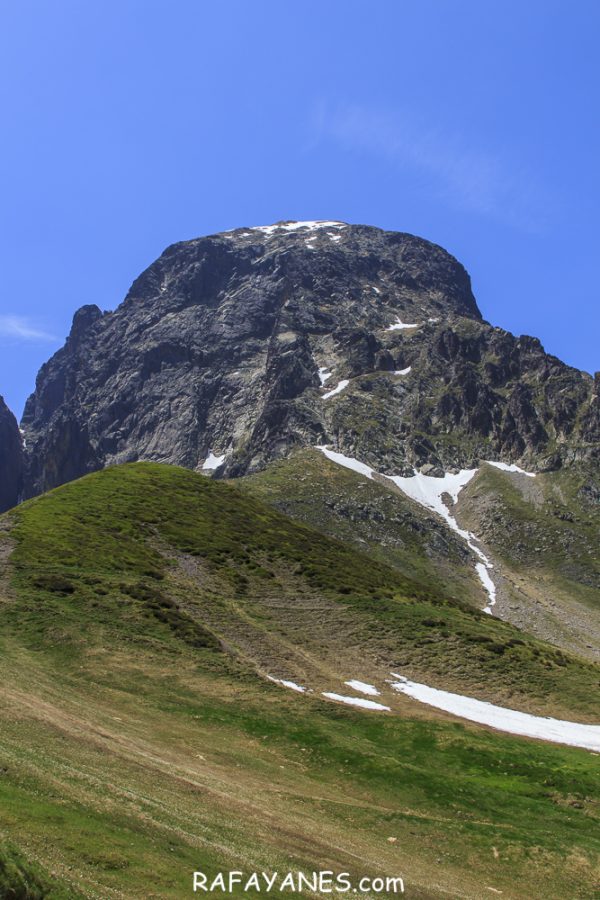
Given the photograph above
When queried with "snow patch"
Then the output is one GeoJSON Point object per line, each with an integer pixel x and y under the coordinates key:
{"type": "Point", "coordinates": [213, 462]}
{"type": "Point", "coordinates": [484, 577]}
{"type": "Point", "coordinates": [403, 371]}
{"type": "Point", "coordinates": [575, 734]}
{"type": "Point", "coordinates": [399, 325]}
{"type": "Point", "coordinates": [428, 491]}
{"type": "Point", "coordinates": [295, 226]}
{"type": "Point", "coordinates": [288, 684]}
{"type": "Point", "coordinates": [509, 468]}
{"type": "Point", "coordinates": [356, 701]}
{"type": "Point", "coordinates": [345, 461]}
{"type": "Point", "coordinates": [362, 687]}
{"type": "Point", "coordinates": [324, 374]}
{"type": "Point", "coordinates": [337, 390]}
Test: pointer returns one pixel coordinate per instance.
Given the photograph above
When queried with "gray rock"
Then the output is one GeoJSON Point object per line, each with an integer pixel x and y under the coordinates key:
{"type": "Point", "coordinates": [217, 348]}
{"type": "Point", "coordinates": [11, 459]}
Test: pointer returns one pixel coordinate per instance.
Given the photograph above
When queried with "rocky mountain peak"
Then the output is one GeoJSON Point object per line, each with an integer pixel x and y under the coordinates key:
{"type": "Point", "coordinates": [82, 320]}
{"type": "Point", "coordinates": [241, 346]}
{"type": "Point", "coordinates": [11, 458]}
{"type": "Point", "coordinates": [331, 260]}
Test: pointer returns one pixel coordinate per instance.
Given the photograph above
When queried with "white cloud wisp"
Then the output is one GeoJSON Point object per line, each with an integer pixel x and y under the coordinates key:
{"type": "Point", "coordinates": [22, 329]}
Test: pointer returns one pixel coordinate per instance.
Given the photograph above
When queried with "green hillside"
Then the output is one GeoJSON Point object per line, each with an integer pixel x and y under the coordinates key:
{"type": "Point", "coordinates": [542, 534]}
{"type": "Point", "coordinates": [141, 609]}
{"type": "Point", "coordinates": [370, 516]}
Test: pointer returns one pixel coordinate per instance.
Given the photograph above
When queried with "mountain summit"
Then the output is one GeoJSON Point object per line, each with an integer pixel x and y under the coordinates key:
{"type": "Point", "coordinates": [231, 350]}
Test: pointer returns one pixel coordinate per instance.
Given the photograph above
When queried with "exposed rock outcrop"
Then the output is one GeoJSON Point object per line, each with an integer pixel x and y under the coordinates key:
{"type": "Point", "coordinates": [11, 459]}
{"type": "Point", "coordinates": [222, 344]}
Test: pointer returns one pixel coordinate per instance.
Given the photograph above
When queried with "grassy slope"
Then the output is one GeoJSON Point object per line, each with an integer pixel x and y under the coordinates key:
{"type": "Point", "coordinates": [543, 535]}
{"type": "Point", "coordinates": [90, 563]}
{"type": "Point", "coordinates": [133, 750]}
{"type": "Point", "coordinates": [20, 879]}
{"type": "Point", "coordinates": [380, 522]}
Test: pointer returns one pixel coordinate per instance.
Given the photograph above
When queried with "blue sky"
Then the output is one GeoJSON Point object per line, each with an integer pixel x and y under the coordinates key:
{"type": "Point", "coordinates": [131, 124]}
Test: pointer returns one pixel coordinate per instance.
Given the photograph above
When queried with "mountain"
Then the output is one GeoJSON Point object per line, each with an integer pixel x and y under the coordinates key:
{"type": "Point", "coordinates": [368, 643]}
{"type": "Point", "coordinates": [177, 660]}
{"type": "Point", "coordinates": [240, 353]}
{"type": "Point", "coordinates": [233, 350]}
{"type": "Point", "coordinates": [11, 458]}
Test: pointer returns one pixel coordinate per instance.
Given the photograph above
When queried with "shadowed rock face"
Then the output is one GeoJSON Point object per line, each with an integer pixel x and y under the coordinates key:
{"type": "Point", "coordinates": [11, 459]}
{"type": "Point", "coordinates": [218, 346]}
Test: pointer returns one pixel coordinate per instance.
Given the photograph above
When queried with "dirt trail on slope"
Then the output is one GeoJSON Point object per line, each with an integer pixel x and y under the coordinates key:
{"type": "Point", "coordinates": [6, 548]}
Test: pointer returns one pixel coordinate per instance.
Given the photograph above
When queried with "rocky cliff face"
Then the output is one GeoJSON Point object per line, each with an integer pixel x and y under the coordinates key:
{"type": "Point", "coordinates": [11, 458]}
{"type": "Point", "coordinates": [232, 350]}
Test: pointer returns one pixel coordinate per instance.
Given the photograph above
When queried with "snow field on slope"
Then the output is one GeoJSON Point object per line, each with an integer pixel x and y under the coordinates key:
{"type": "Point", "coordinates": [511, 721]}
{"type": "Point", "coordinates": [575, 734]}
{"type": "Point", "coordinates": [428, 491]}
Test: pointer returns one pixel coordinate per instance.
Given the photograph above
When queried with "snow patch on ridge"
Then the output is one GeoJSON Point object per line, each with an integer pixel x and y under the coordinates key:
{"type": "Point", "coordinates": [337, 390]}
{"type": "Point", "coordinates": [345, 461]}
{"type": "Point", "coordinates": [296, 226]}
{"type": "Point", "coordinates": [575, 734]}
{"type": "Point", "coordinates": [399, 325]}
{"type": "Point", "coordinates": [403, 371]}
{"type": "Point", "coordinates": [509, 468]}
{"type": "Point", "coordinates": [428, 491]}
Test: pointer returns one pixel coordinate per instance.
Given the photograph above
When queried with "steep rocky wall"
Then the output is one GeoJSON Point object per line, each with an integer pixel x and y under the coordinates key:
{"type": "Point", "coordinates": [11, 458]}
{"type": "Point", "coordinates": [223, 343]}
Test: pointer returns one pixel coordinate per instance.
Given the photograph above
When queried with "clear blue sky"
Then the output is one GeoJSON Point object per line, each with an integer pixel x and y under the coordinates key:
{"type": "Point", "coordinates": [131, 124]}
